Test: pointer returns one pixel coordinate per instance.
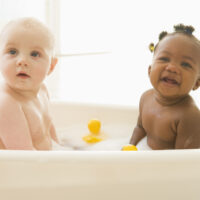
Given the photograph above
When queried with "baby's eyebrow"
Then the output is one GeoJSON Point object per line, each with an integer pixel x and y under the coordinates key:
{"type": "Point", "coordinates": [165, 52]}
{"type": "Point", "coordinates": [38, 48]}
{"type": "Point", "coordinates": [189, 58]}
{"type": "Point", "coordinates": [10, 44]}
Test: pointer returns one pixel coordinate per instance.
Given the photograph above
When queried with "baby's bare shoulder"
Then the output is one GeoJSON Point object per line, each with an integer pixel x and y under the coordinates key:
{"type": "Point", "coordinates": [189, 115]}
{"type": "Point", "coordinates": [145, 96]}
{"type": "Point", "coordinates": [188, 129]}
{"type": "Point", "coordinates": [8, 103]}
{"type": "Point", "coordinates": [148, 92]}
{"type": "Point", "coordinates": [188, 108]}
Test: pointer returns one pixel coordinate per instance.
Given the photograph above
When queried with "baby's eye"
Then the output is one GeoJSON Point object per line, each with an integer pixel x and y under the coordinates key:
{"type": "Point", "coordinates": [12, 51]}
{"type": "Point", "coordinates": [35, 54]}
{"type": "Point", "coordinates": [186, 65]}
{"type": "Point", "coordinates": [165, 59]}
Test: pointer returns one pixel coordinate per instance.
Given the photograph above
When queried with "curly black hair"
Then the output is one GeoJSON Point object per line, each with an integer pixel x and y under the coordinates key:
{"type": "Point", "coordinates": [179, 28]}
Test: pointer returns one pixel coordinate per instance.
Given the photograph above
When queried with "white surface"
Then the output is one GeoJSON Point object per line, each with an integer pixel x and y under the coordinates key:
{"type": "Point", "coordinates": [99, 175]}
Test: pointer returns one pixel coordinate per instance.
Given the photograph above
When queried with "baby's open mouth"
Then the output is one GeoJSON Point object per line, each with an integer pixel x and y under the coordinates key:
{"type": "Point", "coordinates": [170, 81]}
{"type": "Point", "coordinates": [23, 75]}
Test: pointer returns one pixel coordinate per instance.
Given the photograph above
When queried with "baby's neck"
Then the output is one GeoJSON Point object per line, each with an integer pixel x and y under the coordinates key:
{"type": "Point", "coordinates": [165, 101]}
{"type": "Point", "coordinates": [22, 94]}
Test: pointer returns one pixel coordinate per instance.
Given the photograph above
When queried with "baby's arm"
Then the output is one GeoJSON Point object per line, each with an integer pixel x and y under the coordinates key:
{"type": "Point", "coordinates": [188, 131]}
{"type": "Point", "coordinates": [14, 129]}
{"type": "Point", "coordinates": [53, 133]}
{"type": "Point", "coordinates": [138, 133]}
{"type": "Point", "coordinates": [52, 128]}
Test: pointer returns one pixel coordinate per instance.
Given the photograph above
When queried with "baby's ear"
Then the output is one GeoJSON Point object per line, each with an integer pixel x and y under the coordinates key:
{"type": "Point", "coordinates": [53, 64]}
{"type": "Point", "coordinates": [197, 84]}
{"type": "Point", "coordinates": [149, 70]}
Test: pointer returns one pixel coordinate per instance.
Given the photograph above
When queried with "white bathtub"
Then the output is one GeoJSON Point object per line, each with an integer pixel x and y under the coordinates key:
{"type": "Point", "coordinates": [99, 175]}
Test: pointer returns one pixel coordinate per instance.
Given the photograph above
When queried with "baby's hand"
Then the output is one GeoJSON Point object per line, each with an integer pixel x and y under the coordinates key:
{"type": "Point", "coordinates": [129, 147]}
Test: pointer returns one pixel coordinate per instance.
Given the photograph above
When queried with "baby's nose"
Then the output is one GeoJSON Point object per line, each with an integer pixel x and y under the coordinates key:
{"type": "Point", "coordinates": [22, 62]}
{"type": "Point", "coordinates": [173, 68]}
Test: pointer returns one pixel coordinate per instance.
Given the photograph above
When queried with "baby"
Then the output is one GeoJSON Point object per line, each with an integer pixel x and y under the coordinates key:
{"type": "Point", "coordinates": [168, 116]}
{"type": "Point", "coordinates": [26, 59]}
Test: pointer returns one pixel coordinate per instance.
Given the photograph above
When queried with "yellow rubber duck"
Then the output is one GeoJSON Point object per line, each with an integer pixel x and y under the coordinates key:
{"type": "Point", "coordinates": [94, 126]}
{"type": "Point", "coordinates": [129, 147]}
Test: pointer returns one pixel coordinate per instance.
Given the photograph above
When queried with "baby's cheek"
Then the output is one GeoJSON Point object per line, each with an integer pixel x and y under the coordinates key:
{"type": "Point", "coordinates": [7, 71]}
{"type": "Point", "coordinates": [42, 71]}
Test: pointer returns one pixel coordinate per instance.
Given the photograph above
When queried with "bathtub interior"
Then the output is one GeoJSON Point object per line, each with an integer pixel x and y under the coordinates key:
{"type": "Point", "coordinates": [71, 120]}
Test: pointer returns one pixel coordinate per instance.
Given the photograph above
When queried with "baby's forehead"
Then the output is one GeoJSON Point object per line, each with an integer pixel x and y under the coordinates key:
{"type": "Point", "coordinates": [30, 26]}
{"type": "Point", "coordinates": [179, 40]}
{"type": "Point", "coordinates": [27, 24]}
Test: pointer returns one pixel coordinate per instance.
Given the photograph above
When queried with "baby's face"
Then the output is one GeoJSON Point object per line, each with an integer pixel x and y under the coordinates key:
{"type": "Point", "coordinates": [176, 66]}
{"type": "Point", "coordinates": [24, 56]}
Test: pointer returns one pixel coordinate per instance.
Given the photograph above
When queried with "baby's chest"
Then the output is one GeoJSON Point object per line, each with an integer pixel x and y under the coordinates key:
{"type": "Point", "coordinates": [160, 123]}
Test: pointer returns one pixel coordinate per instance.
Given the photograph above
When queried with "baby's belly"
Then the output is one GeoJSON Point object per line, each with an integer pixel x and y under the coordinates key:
{"type": "Point", "coordinates": [158, 144]}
